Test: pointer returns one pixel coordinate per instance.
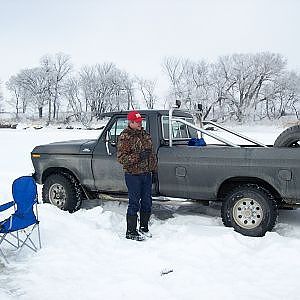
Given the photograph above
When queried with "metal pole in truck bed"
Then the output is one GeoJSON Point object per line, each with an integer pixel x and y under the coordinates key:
{"type": "Point", "coordinates": [204, 131]}
{"type": "Point", "coordinates": [170, 124]}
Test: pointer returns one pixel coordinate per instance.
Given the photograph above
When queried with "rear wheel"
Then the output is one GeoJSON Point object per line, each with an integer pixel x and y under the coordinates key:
{"type": "Point", "coordinates": [251, 210]}
{"type": "Point", "coordinates": [289, 138]}
{"type": "Point", "coordinates": [63, 191]}
{"type": "Point", "coordinates": [225, 214]}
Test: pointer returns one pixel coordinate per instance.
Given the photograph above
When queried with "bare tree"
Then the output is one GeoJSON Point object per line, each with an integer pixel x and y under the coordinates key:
{"type": "Point", "coordinates": [197, 85]}
{"type": "Point", "coordinates": [147, 89]}
{"type": "Point", "coordinates": [239, 86]}
{"type": "Point", "coordinates": [88, 85]}
{"type": "Point", "coordinates": [106, 88]}
{"type": "Point", "coordinates": [56, 70]}
{"type": "Point", "coordinates": [281, 96]}
{"type": "Point", "coordinates": [41, 86]}
{"type": "Point", "coordinates": [73, 95]}
{"type": "Point", "coordinates": [92, 91]}
{"type": "Point", "coordinates": [245, 76]}
{"type": "Point", "coordinates": [20, 94]}
{"type": "Point", "coordinates": [127, 84]}
{"type": "Point", "coordinates": [1, 97]}
{"type": "Point", "coordinates": [36, 84]}
{"type": "Point", "coordinates": [175, 69]}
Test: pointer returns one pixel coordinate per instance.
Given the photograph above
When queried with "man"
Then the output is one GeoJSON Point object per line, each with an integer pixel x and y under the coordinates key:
{"type": "Point", "coordinates": [136, 154]}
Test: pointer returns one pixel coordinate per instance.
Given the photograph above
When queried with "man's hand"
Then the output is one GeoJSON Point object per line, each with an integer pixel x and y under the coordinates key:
{"type": "Point", "coordinates": [145, 154]}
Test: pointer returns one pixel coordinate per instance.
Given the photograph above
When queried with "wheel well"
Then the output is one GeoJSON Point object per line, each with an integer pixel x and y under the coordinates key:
{"type": "Point", "coordinates": [230, 183]}
{"type": "Point", "coordinates": [51, 171]}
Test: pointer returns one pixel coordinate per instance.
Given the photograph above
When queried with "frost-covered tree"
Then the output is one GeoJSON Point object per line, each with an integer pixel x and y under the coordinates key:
{"type": "Point", "coordinates": [281, 96]}
{"type": "Point", "coordinates": [98, 84]}
{"type": "Point", "coordinates": [1, 97]}
{"type": "Point", "coordinates": [21, 96]}
{"type": "Point", "coordinates": [127, 85]}
{"type": "Point", "coordinates": [35, 83]}
{"type": "Point", "coordinates": [147, 89]}
{"type": "Point", "coordinates": [28, 88]}
{"type": "Point", "coordinates": [98, 89]}
{"type": "Point", "coordinates": [175, 69]}
{"type": "Point", "coordinates": [41, 86]}
{"type": "Point", "coordinates": [56, 70]}
{"type": "Point", "coordinates": [197, 85]}
{"type": "Point", "coordinates": [72, 93]}
{"type": "Point", "coordinates": [245, 76]}
{"type": "Point", "coordinates": [239, 86]}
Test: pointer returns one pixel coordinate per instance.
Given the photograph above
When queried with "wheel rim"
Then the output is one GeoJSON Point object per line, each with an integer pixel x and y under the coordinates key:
{"type": "Point", "coordinates": [247, 213]}
{"type": "Point", "coordinates": [57, 195]}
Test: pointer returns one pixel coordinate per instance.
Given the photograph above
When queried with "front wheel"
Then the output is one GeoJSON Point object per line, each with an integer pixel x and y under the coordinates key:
{"type": "Point", "coordinates": [63, 191]}
{"type": "Point", "coordinates": [251, 209]}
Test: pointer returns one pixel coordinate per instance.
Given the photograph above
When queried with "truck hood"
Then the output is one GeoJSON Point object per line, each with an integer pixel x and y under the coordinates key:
{"type": "Point", "coordinates": [67, 147]}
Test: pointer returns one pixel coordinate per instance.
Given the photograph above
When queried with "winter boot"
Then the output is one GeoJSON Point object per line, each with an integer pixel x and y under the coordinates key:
{"type": "Point", "coordinates": [144, 220]}
{"type": "Point", "coordinates": [131, 232]}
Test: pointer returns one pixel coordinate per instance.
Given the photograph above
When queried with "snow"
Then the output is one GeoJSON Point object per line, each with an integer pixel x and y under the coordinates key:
{"type": "Point", "coordinates": [85, 255]}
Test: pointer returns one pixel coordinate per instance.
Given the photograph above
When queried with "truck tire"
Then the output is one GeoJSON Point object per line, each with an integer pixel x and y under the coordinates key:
{"type": "Point", "coordinates": [289, 138]}
{"type": "Point", "coordinates": [63, 191]}
{"type": "Point", "coordinates": [225, 214]}
{"type": "Point", "coordinates": [251, 209]}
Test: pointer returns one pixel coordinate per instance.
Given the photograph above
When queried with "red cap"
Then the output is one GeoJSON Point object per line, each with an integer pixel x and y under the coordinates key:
{"type": "Point", "coordinates": [134, 116]}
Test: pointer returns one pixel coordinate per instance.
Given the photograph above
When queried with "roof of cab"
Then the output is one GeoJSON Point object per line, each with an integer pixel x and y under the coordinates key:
{"type": "Point", "coordinates": [147, 112]}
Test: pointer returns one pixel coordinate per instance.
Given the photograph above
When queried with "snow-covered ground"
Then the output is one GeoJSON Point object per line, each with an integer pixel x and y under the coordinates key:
{"type": "Point", "coordinates": [85, 254]}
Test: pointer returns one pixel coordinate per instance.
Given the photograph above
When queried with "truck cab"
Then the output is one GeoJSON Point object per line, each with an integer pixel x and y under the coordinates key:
{"type": "Point", "coordinates": [104, 154]}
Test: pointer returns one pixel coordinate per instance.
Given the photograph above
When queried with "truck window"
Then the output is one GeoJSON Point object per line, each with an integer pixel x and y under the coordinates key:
{"type": "Point", "coordinates": [179, 131]}
{"type": "Point", "coordinates": [118, 126]}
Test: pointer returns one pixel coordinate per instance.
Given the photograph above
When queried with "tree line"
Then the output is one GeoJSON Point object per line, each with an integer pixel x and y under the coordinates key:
{"type": "Point", "coordinates": [236, 87]}
{"type": "Point", "coordinates": [54, 91]}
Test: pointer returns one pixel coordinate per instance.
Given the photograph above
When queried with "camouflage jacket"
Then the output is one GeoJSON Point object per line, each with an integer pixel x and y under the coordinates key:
{"type": "Point", "coordinates": [131, 143]}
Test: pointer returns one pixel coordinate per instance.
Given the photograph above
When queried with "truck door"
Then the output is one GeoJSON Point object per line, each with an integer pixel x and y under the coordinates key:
{"type": "Point", "coordinates": [108, 173]}
{"type": "Point", "coordinates": [173, 167]}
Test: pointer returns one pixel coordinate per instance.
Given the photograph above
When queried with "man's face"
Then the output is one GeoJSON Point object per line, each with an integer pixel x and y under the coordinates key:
{"type": "Point", "coordinates": [135, 125]}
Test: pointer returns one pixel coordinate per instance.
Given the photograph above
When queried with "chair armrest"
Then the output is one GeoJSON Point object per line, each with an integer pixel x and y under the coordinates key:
{"type": "Point", "coordinates": [6, 205]}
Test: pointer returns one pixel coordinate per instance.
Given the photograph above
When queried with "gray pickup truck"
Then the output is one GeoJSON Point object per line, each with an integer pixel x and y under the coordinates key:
{"type": "Point", "coordinates": [251, 181]}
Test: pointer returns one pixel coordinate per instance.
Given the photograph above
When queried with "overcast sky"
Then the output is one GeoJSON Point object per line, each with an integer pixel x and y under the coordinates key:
{"type": "Point", "coordinates": [137, 34]}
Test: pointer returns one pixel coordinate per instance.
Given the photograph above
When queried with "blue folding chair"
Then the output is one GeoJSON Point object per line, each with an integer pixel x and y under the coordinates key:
{"type": "Point", "coordinates": [17, 229]}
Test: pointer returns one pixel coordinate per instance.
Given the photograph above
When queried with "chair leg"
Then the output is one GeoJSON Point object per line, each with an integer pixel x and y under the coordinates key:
{"type": "Point", "coordinates": [24, 242]}
{"type": "Point", "coordinates": [34, 248]}
{"type": "Point", "coordinates": [18, 239]}
{"type": "Point", "coordinates": [1, 252]}
{"type": "Point", "coordinates": [38, 224]}
{"type": "Point", "coordinates": [32, 243]}
{"type": "Point", "coordinates": [39, 236]}
{"type": "Point", "coordinates": [2, 238]}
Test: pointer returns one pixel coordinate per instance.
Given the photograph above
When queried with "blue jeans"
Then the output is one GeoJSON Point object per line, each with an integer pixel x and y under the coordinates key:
{"type": "Point", "coordinates": [139, 193]}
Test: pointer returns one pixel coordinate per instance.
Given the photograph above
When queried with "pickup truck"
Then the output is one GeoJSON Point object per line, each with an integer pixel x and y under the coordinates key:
{"type": "Point", "coordinates": [251, 181]}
